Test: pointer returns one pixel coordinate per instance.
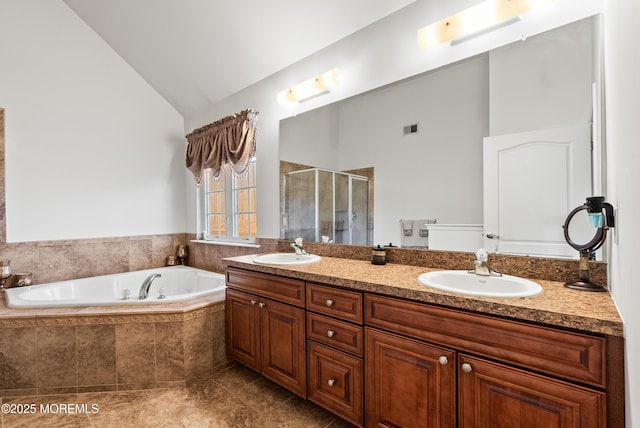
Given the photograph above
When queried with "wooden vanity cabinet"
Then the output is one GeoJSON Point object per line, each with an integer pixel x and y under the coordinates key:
{"type": "Point", "coordinates": [421, 365]}
{"type": "Point", "coordinates": [265, 334]}
{"type": "Point", "coordinates": [335, 349]}
{"type": "Point", "coordinates": [409, 383]}
{"type": "Point", "coordinates": [507, 373]}
{"type": "Point", "coordinates": [495, 395]}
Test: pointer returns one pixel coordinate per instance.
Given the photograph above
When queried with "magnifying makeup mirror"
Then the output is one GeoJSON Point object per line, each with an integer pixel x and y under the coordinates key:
{"type": "Point", "coordinates": [585, 229]}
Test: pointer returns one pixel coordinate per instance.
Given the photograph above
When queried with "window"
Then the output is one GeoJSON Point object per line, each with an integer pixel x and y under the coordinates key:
{"type": "Point", "coordinates": [229, 207]}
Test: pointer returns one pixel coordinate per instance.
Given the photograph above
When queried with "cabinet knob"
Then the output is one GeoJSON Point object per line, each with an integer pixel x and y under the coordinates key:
{"type": "Point", "coordinates": [262, 305]}
{"type": "Point", "coordinates": [443, 360]}
{"type": "Point", "coordinates": [466, 367]}
{"type": "Point", "coordinates": [330, 333]}
{"type": "Point", "coordinates": [253, 302]}
{"type": "Point", "coordinates": [329, 302]}
{"type": "Point", "coordinates": [331, 382]}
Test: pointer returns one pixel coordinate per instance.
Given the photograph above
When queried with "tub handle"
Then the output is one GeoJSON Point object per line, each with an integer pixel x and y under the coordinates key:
{"type": "Point", "coordinates": [126, 294]}
{"type": "Point", "coordinates": [161, 293]}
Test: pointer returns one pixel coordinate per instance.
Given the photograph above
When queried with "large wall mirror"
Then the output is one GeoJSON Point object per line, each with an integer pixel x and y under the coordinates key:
{"type": "Point", "coordinates": [421, 139]}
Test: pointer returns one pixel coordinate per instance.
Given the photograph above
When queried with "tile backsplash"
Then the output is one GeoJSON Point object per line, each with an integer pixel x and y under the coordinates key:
{"type": "Point", "coordinates": [70, 259]}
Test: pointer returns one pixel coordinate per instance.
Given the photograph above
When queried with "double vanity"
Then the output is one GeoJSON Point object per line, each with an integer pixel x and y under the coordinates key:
{"type": "Point", "coordinates": [377, 346]}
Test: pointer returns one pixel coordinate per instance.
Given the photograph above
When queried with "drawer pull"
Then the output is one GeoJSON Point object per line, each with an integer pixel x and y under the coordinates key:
{"type": "Point", "coordinates": [466, 367]}
{"type": "Point", "coordinates": [331, 382]}
{"type": "Point", "coordinates": [262, 305]}
{"type": "Point", "coordinates": [443, 360]}
{"type": "Point", "coordinates": [253, 302]}
{"type": "Point", "coordinates": [329, 302]}
{"type": "Point", "coordinates": [330, 333]}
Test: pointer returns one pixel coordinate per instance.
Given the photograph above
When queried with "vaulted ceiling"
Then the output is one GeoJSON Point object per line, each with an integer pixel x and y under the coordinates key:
{"type": "Point", "coordinates": [197, 52]}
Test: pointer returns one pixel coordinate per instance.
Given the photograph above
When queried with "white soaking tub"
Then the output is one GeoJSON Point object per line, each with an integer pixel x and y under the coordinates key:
{"type": "Point", "coordinates": [175, 283]}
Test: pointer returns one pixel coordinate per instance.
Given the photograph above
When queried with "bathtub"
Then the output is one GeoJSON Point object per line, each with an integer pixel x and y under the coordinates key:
{"type": "Point", "coordinates": [178, 283]}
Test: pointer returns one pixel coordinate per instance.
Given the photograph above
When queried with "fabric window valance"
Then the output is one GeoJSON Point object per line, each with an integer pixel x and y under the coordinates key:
{"type": "Point", "coordinates": [228, 141]}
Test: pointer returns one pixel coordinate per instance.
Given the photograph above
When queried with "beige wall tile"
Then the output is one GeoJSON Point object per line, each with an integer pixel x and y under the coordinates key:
{"type": "Point", "coordinates": [96, 354]}
{"type": "Point", "coordinates": [161, 247]}
{"type": "Point", "coordinates": [17, 358]}
{"type": "Point", "coordinates": [55, 263]}
{"type": "Point", "coordinates": [135, 353]}
{"type": "Point", "coordinates": [100, 258]}
{"type": "Point", "coordinates": [56, 356]}
{"type": "Point", "coordinates": [140, 253]}
{"type": "Point", "coordinates": [169, 351]}
{"type": "Point", "coordinates": [218, 348]}
{"type": "Point", "coordinates": [197, 344]}
{"type": "Point", "coordinates": [67, 259]}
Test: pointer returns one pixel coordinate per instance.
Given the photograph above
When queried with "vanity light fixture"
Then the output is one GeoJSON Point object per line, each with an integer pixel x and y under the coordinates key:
{"type": "Point", "coordinates": [483, 17]}
{"type": "Point", "coordinates": [309, 88]}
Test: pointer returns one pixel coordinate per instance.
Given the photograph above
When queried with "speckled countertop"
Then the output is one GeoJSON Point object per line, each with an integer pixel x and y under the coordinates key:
{"type": "Point", "coordinates": [556, 306]}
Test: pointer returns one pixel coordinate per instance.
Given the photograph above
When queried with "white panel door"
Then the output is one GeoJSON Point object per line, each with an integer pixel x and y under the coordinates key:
{"type": "Point", "coordinates": [532, 180]}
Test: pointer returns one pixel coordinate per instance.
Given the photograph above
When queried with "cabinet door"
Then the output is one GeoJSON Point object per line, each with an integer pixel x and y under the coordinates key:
{"type": "Point", "coordinates": [243, 328]}
{"type": "Point", "coordinates": [284, 345]}
{"type": "Point", "coordinates": [408, 383]}
{"type": "Point", "coordinates": [495, 396]}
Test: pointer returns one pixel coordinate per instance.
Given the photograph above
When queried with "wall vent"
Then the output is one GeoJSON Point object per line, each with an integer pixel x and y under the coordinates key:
{"type": "Point", "coordinates": [410, 129]}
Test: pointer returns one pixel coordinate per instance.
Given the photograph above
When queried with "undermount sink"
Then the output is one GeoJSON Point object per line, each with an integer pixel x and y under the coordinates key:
{"type": "Point", "coordinates": [463, 282]}
{"type": "Point", "coordinates": [286, 259]}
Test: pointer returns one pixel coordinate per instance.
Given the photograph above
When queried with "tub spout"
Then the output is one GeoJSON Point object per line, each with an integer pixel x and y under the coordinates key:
{"type": "Point", "coordinates": [144, 288]}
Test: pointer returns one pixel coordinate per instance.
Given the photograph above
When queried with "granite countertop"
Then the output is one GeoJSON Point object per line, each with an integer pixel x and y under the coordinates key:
{"type": "Point", "coordinates": [557, 306]}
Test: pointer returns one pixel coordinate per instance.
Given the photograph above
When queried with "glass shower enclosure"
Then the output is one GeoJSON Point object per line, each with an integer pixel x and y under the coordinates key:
{"type": "Point", "coordinates": [320, 202]}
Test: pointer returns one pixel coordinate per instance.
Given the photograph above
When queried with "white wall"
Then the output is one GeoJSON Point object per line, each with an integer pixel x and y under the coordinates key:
{"type": "Point", "coordinates": [91, 149]}
{"type": "Point", "coordinates": [544, 82]}
{"type": "Point", "coordinates": [311, 139]}
{"type": "Point", "coordinates": [378, 55]}
{"type": "Point", "coordinates": [415, 177]}
{"type": "Point", "coordinates": [433, 173]}
{"type": "Point", "coordinates": [622, 65]}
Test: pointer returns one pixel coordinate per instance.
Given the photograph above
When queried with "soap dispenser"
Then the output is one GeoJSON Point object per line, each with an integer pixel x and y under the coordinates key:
{"type": "Point", "coordinates": [378, 256]}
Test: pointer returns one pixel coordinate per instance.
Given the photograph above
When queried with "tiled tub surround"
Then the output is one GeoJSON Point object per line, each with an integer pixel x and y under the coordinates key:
{"type": "Point", "coordinates": [69, 350]}
{"type": "Point", "coordinates": [51, 261]}
{"type": "Point", "coordinates": [163, 286]}
{"type": "Point", "coordinates": [556, 306]}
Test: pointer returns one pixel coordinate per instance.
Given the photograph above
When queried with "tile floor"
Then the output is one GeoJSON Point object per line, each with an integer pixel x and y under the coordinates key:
{"type": "Point", "coordinates": [234, 397]}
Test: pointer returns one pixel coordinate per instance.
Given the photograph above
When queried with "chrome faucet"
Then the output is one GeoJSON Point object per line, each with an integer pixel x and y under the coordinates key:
{"type": "Point", "coordinates": [481, 267]}
{"type": "Point", "coordinates": [144, 288]}
{"type": "Point", "coordinates": [297, 246]}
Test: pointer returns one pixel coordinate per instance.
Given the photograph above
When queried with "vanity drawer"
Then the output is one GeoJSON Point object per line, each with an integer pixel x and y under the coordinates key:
{"type": "Point", "coordinates": [343, 304]}
{"type": "Point", "coordinates": [332, 332]}
{"type": "Point", "coordinates": [570, 355]}
{"type": "Point", "coordinates": [336, 382]}
{"type": "Point", "coordinates": [278, 288]}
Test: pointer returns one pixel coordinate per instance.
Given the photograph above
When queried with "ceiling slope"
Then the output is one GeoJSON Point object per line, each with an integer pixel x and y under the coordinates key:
{"type": "Point", "coordinates": [198, 52]}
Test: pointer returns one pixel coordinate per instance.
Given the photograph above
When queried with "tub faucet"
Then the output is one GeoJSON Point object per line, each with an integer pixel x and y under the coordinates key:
{"type": "Point", "coordinates": [297, 246]}
{"type": "Point", "coordinates": [481, 267]}
{"type": "Point", "coordinates": [144, 288]}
